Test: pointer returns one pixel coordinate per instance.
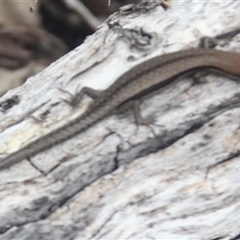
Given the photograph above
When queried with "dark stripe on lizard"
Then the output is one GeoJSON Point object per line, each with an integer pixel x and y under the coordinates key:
{"type": "Point", "coordinates": [142, 79]}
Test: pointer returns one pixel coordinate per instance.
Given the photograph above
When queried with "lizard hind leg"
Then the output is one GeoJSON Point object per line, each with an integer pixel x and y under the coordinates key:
{"type": "Point", "coordinates": [75, 99]}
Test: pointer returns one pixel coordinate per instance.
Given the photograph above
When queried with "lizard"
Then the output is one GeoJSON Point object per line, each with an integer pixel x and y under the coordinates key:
{"type": "Point", "coordinates": [145, 78]}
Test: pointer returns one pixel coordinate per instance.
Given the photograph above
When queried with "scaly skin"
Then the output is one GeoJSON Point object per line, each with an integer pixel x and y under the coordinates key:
{"type": "Point", "coordinates": [142, 79]}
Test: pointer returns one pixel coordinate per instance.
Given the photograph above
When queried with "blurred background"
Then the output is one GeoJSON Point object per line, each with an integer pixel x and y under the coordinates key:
{"type": "Point", "coordinates": [34, 33]}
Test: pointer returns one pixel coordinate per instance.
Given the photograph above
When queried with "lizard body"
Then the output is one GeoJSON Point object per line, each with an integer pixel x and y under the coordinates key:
{"type": "Point", "coordinates": [142, 79]}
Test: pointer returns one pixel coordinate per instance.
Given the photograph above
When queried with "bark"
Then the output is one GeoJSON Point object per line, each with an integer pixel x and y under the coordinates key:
{"type": "Point", "coordinates": [177, 178]}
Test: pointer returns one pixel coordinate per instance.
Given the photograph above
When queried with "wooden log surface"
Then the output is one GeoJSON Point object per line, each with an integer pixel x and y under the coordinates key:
{"type": "Point", "coordinates": [177, 178]}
